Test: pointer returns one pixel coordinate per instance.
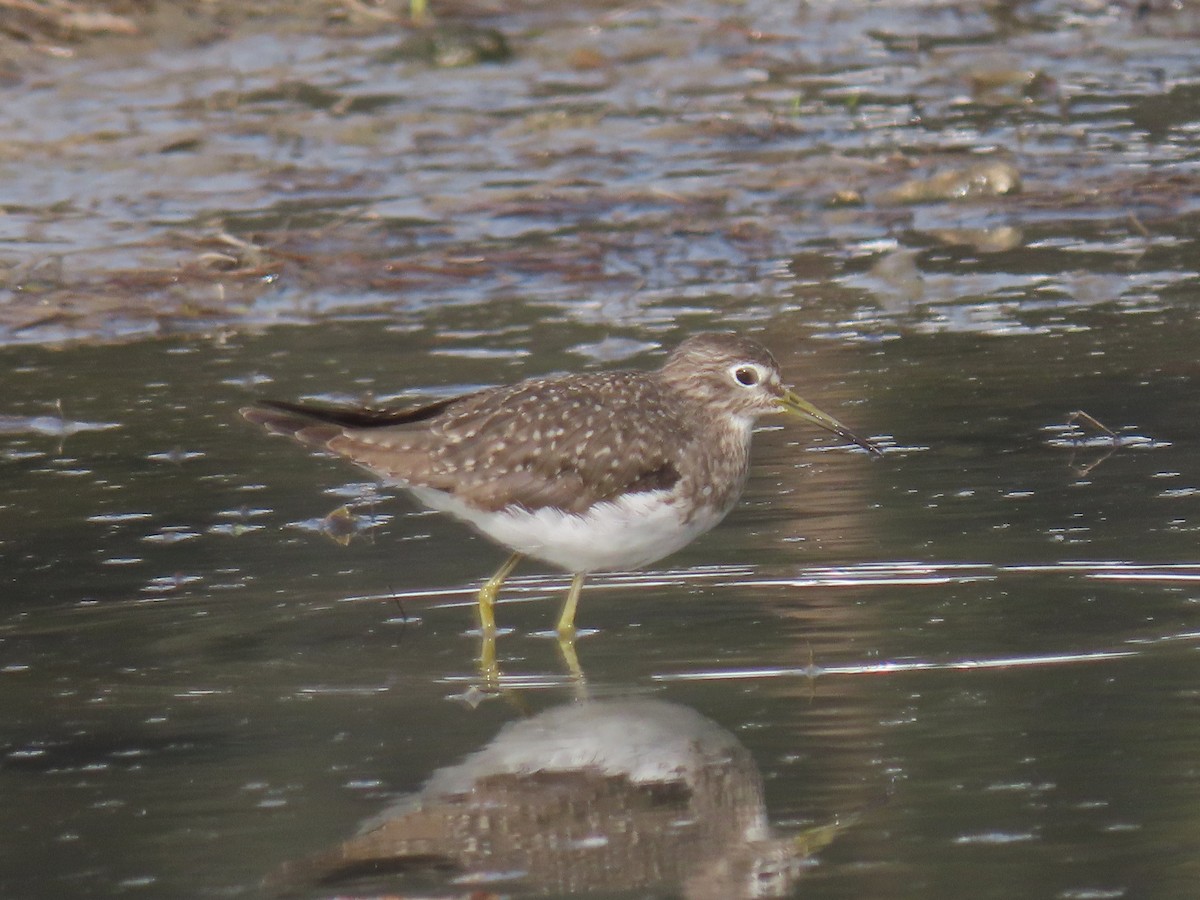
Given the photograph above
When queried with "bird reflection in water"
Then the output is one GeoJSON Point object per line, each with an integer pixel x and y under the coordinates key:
{"type": "Point", "coordinates": [595, 796]}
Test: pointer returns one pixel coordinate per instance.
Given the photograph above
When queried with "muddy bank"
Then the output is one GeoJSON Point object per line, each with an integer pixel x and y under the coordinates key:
{"type": "Point", "coordinates": [207, 166]}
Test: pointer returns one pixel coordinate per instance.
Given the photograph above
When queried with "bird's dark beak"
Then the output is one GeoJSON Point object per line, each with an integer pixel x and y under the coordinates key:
{"type": "Point", "coordinates": [792, 403]}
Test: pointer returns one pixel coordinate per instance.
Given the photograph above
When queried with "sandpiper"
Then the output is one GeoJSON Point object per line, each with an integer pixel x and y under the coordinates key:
{"type": "Point", "coordinates": [597, 471]}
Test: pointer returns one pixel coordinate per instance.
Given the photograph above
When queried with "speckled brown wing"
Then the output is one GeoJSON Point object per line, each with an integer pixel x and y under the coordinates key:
{"type": "Point", "coordinates": [535, 444]}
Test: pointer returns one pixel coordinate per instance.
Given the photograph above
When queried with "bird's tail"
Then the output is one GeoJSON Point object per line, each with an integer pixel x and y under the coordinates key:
{"type": "Point", "coordinates": [317, 425]}
{"type": "Point", "coordinates": [312, 425]}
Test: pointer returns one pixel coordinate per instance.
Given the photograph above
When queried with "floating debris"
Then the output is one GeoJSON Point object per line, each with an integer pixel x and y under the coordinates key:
{"type": "Point", "coordinates": [32, 20]}
{"type": "Point", "coordinates": [1075, 434]}
{"type": "Point", "coordinates": [993, 178]}
{"type": "Point", "coordinates": [450, 47]}
{"type": "Point", "coordinates": [342, 525]}
{"type": "Point", "coordinates": [1083, 431]}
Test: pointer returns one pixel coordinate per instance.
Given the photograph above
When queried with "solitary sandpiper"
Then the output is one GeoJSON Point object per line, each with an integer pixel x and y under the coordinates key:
{"type": "Point", "coordinates": [599, 471]}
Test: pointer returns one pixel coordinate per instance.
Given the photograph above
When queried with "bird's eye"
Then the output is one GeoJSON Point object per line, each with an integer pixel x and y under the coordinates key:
{"type": "Point", "coordinates": [746, 376]}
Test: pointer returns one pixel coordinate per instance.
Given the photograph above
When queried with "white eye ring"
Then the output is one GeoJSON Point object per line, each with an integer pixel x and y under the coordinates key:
{"type": "Point", "coordinates": [747, 375]}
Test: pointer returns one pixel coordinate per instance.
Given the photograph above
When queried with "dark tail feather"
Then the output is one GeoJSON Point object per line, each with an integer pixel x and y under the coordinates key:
{"type": "Point", "coordinates": [311, 425]}
{"type": "Point", "coordinates": [291, 418]}
{"type": "Point", "coordinates": [317, 425]}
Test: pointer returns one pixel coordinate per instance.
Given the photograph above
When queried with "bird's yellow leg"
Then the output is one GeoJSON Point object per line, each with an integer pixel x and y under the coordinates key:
{"type": "Point", "coordinates": [570, 661]}
{"type": "Point", "coordinates": [490, 676]}
{"type": "Point", "coordinates": [487, 595]}
{"type": "Point", "coordinates": [566, 620]}
{"type": "Point", "coordinates": [489, 669]}
{"type": "Point", "coordinates": [566, 637]}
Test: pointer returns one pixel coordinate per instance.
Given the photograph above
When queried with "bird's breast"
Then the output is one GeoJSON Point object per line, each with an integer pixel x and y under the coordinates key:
{"type": "Point", "coordinates": [713, 469]}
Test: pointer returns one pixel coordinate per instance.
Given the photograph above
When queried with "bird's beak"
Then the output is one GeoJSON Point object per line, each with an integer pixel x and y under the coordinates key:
{"type": "Point", "coordinates": [790, 402]}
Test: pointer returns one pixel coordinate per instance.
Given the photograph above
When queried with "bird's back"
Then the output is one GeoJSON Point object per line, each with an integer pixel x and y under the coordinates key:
{"type": "Point", "coordinates": [568, 442]}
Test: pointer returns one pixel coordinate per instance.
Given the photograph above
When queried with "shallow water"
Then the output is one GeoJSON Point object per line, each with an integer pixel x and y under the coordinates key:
{"type": "Point", "coordinates": [972, 662]}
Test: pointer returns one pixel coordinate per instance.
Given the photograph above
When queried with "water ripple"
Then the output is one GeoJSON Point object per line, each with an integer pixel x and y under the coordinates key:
{"type": "Point", "coordinates": [897, 573]}
{"type": "Point", "coordinates": [892, 667]}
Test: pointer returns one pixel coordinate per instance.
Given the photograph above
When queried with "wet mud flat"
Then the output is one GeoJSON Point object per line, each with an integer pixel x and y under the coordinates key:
{"type": "Point", "coordinates": [192, 167]}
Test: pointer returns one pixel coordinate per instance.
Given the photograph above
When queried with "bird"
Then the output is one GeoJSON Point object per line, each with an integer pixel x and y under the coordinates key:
{"type": "Point", "coordinates": [588, 472]}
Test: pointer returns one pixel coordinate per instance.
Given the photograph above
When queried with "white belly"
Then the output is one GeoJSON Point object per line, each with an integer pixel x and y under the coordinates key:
{"type": "Point", "coordinates": [627, 533]}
